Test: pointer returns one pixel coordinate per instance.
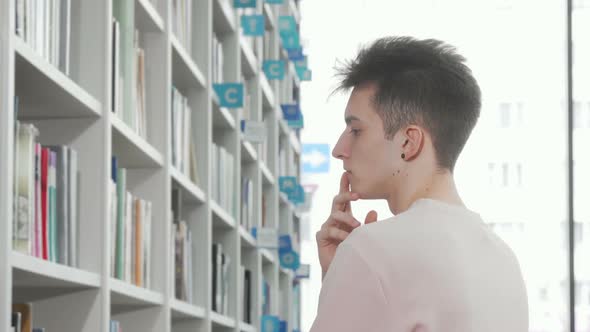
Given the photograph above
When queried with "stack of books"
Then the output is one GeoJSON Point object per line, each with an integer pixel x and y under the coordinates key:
{"type": "Point", "coordinates": [45, 27]}
{"type": "Point", "coordinates": [131, 223]}
{"type": "Point", "coordinates": [46, 196]}
{"type": "Point", "coordinates": [220, 278]}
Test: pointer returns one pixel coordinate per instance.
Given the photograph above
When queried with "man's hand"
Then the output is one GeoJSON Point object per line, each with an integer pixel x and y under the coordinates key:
{"type": "Point", "coordinates": [339, 225]}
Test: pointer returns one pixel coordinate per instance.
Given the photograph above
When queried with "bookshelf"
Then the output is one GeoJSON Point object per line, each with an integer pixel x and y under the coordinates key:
{"type": "Point", "coordinates": [101, 109]}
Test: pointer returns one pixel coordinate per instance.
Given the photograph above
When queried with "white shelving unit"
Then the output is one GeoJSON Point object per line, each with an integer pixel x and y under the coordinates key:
{"type": "Point", "coordinates": [75, 110]}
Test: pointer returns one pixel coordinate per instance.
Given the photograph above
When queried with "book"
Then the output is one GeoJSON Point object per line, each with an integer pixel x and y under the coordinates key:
{"type": "Point", "coordinates": [147, 243]}
{"type": "Point", "coordinates": [16, 321]}
{"type": "Point", "coordinates": [217, 280]}
{"type": "Point", "coordinates": [115, 70]}
{"type": "Point", "coordinates": [123, 11]}
{"type": "Point", "coordinates": [24, 188]}
{"type": "Point", "coordinates": [120, 238]}
{"type": "Point", "coordinates": [45, 203]}
{"type": "Point", "coordinates": [181, 274]}
{"type": "Point", "coordinates": [26, 316]}
{"type": "Point", "coordinates": [52, 206]}
{"type": "Point", "coordinates": [225, 262]}
{"type": "Point", "coordinates": [62, 186]}
{"type": "Point", "coordinates": [128, 236]}
{"type": "Point", "coordinates": [138, 245]}
{"type": "Point", "coordinates": [38, 232]}
{"type": "Point", "coordinates": [217, 60]}
{"type": "Point", "coordinates": [247, 314]}
{"type": "Point", "coordinates": [113, 207]}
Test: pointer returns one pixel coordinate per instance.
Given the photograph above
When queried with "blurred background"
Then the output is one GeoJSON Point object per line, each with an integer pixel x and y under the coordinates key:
{"type": "Point", "coordinates": [514, 169]}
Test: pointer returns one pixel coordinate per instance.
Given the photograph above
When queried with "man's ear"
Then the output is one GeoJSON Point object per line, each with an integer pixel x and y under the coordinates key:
{"type": "Point", "coordinates": [413, 141]}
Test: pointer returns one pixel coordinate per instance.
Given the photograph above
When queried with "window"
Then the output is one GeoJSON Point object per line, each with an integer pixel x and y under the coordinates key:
{"type": "Point", "coordinates": [505, 174]}
{"type": "Point", "coordinates": [510, 114]}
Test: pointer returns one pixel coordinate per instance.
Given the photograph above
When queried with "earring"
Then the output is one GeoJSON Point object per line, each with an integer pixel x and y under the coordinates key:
{"type": "Point", "coordinates": [403, 156]}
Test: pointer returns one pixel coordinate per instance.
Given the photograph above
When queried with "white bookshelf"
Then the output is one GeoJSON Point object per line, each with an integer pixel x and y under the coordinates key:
{"type": "Point", "coordinates": [75, 110]}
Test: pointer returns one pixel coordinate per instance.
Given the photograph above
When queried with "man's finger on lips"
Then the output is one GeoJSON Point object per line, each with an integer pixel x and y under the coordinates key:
{"type": "Point", "coordinates": [346, 219]}
{"type": "Point", "coordinates": [342, 201]}
{"type": "Point", "coordinates": [344, 183]}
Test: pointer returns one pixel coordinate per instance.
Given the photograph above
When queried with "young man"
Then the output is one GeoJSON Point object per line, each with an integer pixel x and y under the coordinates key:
{"type": "Point", "coordinates": [435, 266]}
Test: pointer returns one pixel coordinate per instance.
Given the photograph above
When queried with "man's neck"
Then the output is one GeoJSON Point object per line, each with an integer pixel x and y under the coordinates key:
{"type": "Point", "coordinates": [439, 186]}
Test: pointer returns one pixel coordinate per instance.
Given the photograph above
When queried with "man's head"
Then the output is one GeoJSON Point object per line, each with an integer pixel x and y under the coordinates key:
{"type": "Point", "coordinates": [413, 106]}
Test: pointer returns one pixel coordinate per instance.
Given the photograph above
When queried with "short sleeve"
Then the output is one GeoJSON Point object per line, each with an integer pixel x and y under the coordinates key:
{"type": "Point", "coordinates": [351, 298]}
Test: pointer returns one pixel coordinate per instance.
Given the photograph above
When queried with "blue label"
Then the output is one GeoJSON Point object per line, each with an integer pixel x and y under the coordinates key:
{"type": "Point", "coordinates": [297, 196]}
{"type": "Point", "coordinates": [287, 25]}
{"type": "Point", "coordinates": [315, 158]}
{"type": "Point", "coordinates": [287, 184]}
{"type": "Point", "coordinates": [296, 124]}
{"type": "Point", "coordinates": [274, 69]}
{"type": "Point", "coordinates": [290, 40]}
{"type": "Point", "coordinates": [275, 2]}
{"type": "Point", "coordinates": [253, 25]}
{"type": "Point", "coordinates": [289, 260]}
{"type": "Point", "coordinates": [283, 326]}
{"type": "Point", "coordinates": [301, 63]}
{"type": "Point", "coordinates": [295, 54]}
{"type": "Point", "coordinates": [285, 243]}
{"type": "Point", "coordinates": [245, 3]}
{"type": "Point", "coordinates": [304, 74]}
{"type": "Point", "coordinates": [291, 112]}
{"type": "Point", "coordinates": [269, 323]}
{"type": "Point", "coordinates": [231, 95]}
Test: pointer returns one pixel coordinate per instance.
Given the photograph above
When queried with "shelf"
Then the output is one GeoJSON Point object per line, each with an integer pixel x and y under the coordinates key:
{"type": "Point", "coordinates": [223, 17]}
{"type": "Point", "coordinates": [268, 99]}
{"type": "Point", "coordinates": [269, 17]}
{"type": "Point", "coordinates": [147, 18]}
{"type": "Point", "coordinates": [295, 11]}
{"type": "Point", "coordinates": [46, 92]}
{"type": "Point", "coordinates": [249, 62]}
{"type": "Point", "coordinates": [222, 117]}
{"type": "Point", "coordinates": [127, 297]}
{"type": "Point", "coordinates": [192, 193]}
{"type": "Point", "coordinates": [220, 217]}
{"type": "Point", "coordinates": [294, 74]}
{"type": "Point", "coordinates": [248, 152]}
{"type": "Point", "coordinates": [284, 199]}
{"type": "Point", "coordinates": [131, 150]}
{"type": "Point", "coordinates": [284, 127]}
{"type": "Point", "coordinates": [287, 272]}
{"type": "Point", "coordinates": [267, 256]}
{"type": "Point", "coordinates": [185, 72]}
{"type": "Point", "coordinates": [182, 310]}
{"type": "Point", "coordinates": [222, 320]}
{"type": "Point", "coordinates": [35, 278]}
{"type": "Point", "coordinates": [245, 327]}
{"type": "Point", "coordinates": [248, 241]}
{"type": "Point", "coordinates": [295, 144]}
{"type": "Point", "coordinates": [267, 175]}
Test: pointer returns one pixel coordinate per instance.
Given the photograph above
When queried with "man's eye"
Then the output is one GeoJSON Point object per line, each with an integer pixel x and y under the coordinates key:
{"type": "Point", "coordinates": [355, 132]}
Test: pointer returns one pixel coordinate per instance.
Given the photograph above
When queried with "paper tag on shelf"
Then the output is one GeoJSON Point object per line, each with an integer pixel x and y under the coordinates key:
{"type": "Point", "coordinates": [266, 237]}
{"type": "Point", "coordinates": [254, 131]}
{"type": "Point", "coordinates": [303, 271]}
{"type": "Point", "coordinates": [269, 323]}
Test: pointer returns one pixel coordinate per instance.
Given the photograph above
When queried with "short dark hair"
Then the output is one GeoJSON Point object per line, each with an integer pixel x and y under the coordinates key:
{"type": "Point", "coordinates": [423, 82]}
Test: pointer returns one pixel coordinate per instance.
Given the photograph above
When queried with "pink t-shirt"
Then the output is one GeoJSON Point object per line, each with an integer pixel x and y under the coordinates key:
{"type": "Point", "coordinates": [434, 268]}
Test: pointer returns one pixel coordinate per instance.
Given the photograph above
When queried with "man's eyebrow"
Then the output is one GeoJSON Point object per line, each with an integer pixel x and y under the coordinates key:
{"type": "Point", "coordinates": [351, 118]}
